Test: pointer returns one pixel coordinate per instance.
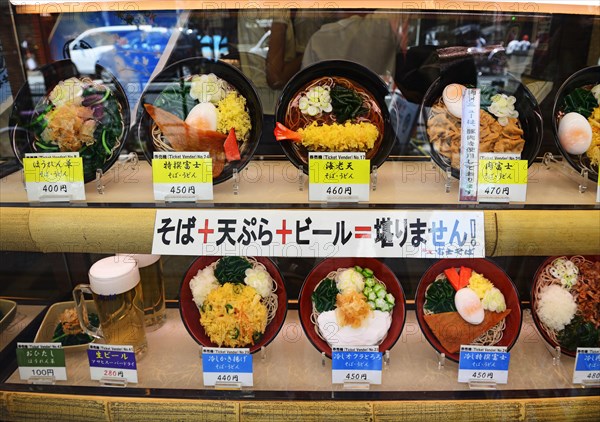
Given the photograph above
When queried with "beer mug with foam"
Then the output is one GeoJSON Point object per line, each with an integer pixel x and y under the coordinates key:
{"type": "Point", "coordinates": [117, 292]}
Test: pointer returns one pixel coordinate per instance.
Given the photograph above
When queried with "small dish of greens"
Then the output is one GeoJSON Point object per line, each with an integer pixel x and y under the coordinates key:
{"type": "Point", "coordinates": [60, 325]}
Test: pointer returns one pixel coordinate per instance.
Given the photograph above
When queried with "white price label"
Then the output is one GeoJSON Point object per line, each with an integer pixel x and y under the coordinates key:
{"type": "Point", "coordinates": [227, 366]}
{"type": "Point", "coordinates": [112, 361]}
{"type": "Point", "coordinates": [54, 177]}
{"type": "Point", "coordinates": [587, 366]}
{"type": "Point", "coordinates": [338, 177]}
{"type": "Point", "coordinates": [483, 363]}
{"type": "Point", "coordinates": [356, 364]}
{"type": "Point", "coordinates": [182, 176]}
{"type": "Point", "coordinates": [41, 360]}
{"type": "Point", "coordinates": [502, 178]}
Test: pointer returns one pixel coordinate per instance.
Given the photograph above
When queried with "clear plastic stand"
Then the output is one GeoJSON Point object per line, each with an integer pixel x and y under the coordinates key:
{"type": "Point", "coordinates": [555, 353]}
{"type": "Point", "coordinates": [446, 174]}
{"type": "Point", "coordinates": [590, 383]}
{"type": "Point", "coordinates": [236, 182]}
{"type": "Point", "coordinates": [130, 160]}
{"type": "Point", "coordinates": [482, 385]}
{"type": "Point", "coordinates": [301, 178]}
{"type": "Point", "coordinates": [441, 358]}
{"type": "Point", "coordinates": [563, 167]}
{"type": "Point", "coordinates": [356, 385]}
{"type": "Point", "coordinates": [373, 178]}
{"type": "Point", "coordinates": [222, 385]}
{"type": "Point", "coordinates": [386, 359]}
{"type": "Point", "coordinates": [323, 359]}
{"type": "Point", "coordinates": [263, 353]}
{"type": "Point", "coordinates": [47, 380]}
{"type": "Point", "coordinates": [113, 382]}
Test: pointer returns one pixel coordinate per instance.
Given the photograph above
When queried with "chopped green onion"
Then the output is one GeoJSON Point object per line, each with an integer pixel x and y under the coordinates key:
{"type": "Point", "coordinates": [358, 269]}
{"type": "Point", "coordinates": [367, 272]}
{"type": "Point", "coordinates": [389, 298]}
{"type": "Point", "coordinates": [106, 148]}
{"type": "Point", "coordinates": [381, 293]}
{"type": "Point", "coordinates": [47, 148]}
{"type": "Point", "coordinates": [370, 281]}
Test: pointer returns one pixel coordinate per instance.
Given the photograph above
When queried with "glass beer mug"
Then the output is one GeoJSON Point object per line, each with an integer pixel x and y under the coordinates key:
{"type": "Point", "coordinates": [117, 292]}
{"type": "Point", "coordinates": [153, 287]}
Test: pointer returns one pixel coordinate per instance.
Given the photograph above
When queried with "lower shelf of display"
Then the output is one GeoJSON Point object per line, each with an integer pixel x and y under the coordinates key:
{"type": "Point", "coordinates": [293, 364]}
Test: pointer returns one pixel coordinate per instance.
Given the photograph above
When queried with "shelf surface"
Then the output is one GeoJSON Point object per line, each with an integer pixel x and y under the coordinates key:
{"type": "Point", "coordinates": [292, 364]}
{"type": "Point", "coordinates": [589, 7]}
{"type": "Point", "coordinates": [23, 317]}
{"type": "Point", "coordinates": [276, 183]}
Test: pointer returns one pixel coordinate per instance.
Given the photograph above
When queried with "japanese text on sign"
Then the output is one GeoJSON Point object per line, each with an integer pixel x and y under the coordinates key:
{"type": "Point", "coordinates": [54, 176]}
{"type": "Point", "coordinates": [469, 145]}
{"type": "Point", "coordinates": [483, 363]}
{"type": "Point", "coordinates": [290, 233]}
{"type": "Point", "coordinates": [338, 177]}
{"type": "Point", "coordinates": [502, 177]}
{"type": "Point", "coordinates": [587, 366]}
{"type": "Point", "coordinates": [112, 361]}
{"type": "Point", "coordinates": [357, 363]}
{"type": "Point", "coordinates": [41, 360]}
{"type": "Point", "coordinates": [227, 366]}
{"type": "Point", "coordinates": [182, 176]}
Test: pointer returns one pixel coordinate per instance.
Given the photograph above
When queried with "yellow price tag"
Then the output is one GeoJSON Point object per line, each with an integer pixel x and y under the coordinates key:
{"type": "Point", "coordinates": [335, 171]}
{"type": "Point", "coordinates": [505, 172]}
{"type": "Point", "coordinates": [53, 168]}
{"type": "Point", "coordinates": [182, 170]}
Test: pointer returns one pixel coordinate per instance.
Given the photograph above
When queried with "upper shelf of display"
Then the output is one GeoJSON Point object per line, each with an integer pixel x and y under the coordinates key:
{"type": "Point", "coordinates": [583, 7]}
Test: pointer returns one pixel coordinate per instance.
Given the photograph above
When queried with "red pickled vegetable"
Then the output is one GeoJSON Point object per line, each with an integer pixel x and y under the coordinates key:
{"type": "Point", "coordinates": [283, 133]}
{"type": "Point", "coordinates": [465, 276]}
{"type": "Point", "coordinates": [453, 277]}
{"type": "Point", "coordinates": [232, 152]}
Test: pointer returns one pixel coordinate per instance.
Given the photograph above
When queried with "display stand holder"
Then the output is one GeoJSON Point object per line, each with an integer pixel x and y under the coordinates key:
{"type": "Point", "coordinates": [119, 382]}
{"type": "Point", "coordinates": [131, 161]}
{"type": "Point", "coordinates": [446, 173]}
{"type": "Point", "coordinates": [482, 385]}
{"type": "Point", "coordinates": [373, 178]}
{"type": "Point", "coordinates": [563, 167]}
{"type": "Point", "coordinates": [590, 384]}
{"type": "Point", "coordinates": [301, 176]}
{"type": "Point", "coordinates": [42, 380]}
{"type": "Point", "coordinates": [441, 358]}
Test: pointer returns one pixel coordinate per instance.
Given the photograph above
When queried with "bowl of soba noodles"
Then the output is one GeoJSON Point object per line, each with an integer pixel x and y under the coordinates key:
{"type": "Point", "coordinates": [510, 121]}
{"type": "Point", "coordinates": [565, 297]}
{"type": "Point", "coordinates": [334, 106]}
{"type": "Point", "coordinates": [202, 105]}
{"type": "Point", "coordinates": [467, 301]}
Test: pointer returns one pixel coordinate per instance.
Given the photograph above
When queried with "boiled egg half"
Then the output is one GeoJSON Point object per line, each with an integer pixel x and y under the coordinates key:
{"type": "Point", "coordinates": [469, 306]}
{"type": "Point", "coordinates": [574, 133]}
{"type": "Point", "coordinates": [203, 116]}
{"type": "Point", "coordinates": [452, 96]}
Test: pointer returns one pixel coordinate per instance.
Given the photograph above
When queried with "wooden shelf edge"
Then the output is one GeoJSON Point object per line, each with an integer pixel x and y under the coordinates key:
{"type": "Point", "coordinates": [111, 230]}
{"type": "Point", "coordinates": [583, 7]}
{"type": "Point", "coordinates": [33, 406]}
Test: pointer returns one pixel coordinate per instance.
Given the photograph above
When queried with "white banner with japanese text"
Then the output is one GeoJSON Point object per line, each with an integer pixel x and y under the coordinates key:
{"type": "Point", "coordinates": [320, 233]}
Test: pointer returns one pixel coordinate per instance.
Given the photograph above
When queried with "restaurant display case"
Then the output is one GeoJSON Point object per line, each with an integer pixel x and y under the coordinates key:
{"type": "Point", "coordinates": [140, 54]}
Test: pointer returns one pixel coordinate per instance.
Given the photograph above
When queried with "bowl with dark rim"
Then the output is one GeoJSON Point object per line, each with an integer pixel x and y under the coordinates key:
{"type": "Point", "coordinates": [361, 77]}
{"type": "Point", "coordinates": [530, 116]}
{"type": "Point", "coordinates": [492, 272]}
{"type": "Point", "coordinates": [381, 271]}
{"type": "Point", "coordinates": [536, 319]}
{"type": "Point", "coordinates": [582, 78]}
{"type": "Point", "coordinates": [173, 77]}
{"type": "Point", "coordinates": [31, 101]}
{"type": "Point", "coordinates": [190, 314]}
